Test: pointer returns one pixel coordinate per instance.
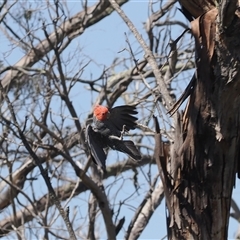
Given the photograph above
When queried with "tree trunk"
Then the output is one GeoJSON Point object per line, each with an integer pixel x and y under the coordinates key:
{"type": "Point", "coordinates": [205, 154]}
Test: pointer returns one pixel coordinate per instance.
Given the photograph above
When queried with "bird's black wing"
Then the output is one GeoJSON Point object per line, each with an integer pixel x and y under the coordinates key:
{"type": "Point", "coordinates": [124, 115]}
{"type": "Point", "coordinates": [96, 146]}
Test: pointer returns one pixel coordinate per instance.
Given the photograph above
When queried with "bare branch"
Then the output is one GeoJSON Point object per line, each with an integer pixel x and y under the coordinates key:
{"type": "Point", "coordinates": [38, 163]}
{"type": "Point", "coordinates": [148, 55]}
{"type": "Point", "coordinates": [150, 203]}
{"type": "Point", "coordinates": [72, 28]}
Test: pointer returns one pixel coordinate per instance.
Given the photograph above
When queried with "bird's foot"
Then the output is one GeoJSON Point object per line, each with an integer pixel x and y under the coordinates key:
{"type": "Point", "coordinates": [121, 136]}
{"type": "Point", "coordinates": [115, 137]}
{"type": "Point", "coordinates": [123, 131]}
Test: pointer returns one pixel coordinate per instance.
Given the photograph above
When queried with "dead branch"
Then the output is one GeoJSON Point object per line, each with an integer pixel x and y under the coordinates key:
{"type": "Point", "coordinates": [70, 29]}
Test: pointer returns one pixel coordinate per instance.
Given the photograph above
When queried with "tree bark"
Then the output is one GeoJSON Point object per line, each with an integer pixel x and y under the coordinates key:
{"type": "Point", "coordinates": [205, 154]}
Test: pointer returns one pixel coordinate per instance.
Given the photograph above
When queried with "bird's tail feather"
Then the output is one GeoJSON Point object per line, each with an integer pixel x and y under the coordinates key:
{"type": "Point", "coordinates": [129, 148]}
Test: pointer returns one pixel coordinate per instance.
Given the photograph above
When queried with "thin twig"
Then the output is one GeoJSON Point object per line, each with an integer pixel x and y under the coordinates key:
{"type": "Point", "coordinates": [37, 161]}
{"type": "Point", "coordinates": [148, 55]}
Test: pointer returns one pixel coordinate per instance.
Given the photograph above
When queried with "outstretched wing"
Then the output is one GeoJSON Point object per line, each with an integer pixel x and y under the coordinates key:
{"type": "Point", "coordinates": [123, 115]}
{"type": "Point", "coordinates": [96, 144]}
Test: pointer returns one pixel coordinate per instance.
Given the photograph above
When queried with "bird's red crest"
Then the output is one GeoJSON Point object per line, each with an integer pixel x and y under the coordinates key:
{"type": "Point", "coordinates": [101, 112]}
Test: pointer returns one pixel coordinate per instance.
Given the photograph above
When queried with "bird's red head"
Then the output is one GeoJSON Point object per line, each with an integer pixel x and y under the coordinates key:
{"type": "Point", "coordinates": [101, 112]}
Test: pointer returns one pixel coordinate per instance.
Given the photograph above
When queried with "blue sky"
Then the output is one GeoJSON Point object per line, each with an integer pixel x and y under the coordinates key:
{"type": "Point", "coordinates": [103, 42]}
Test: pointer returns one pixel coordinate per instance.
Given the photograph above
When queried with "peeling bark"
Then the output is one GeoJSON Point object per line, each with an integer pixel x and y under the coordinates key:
{"type": "Point", "coordinates": [205, 154]}
{"type": "Point", "coordinates": [197, 7]}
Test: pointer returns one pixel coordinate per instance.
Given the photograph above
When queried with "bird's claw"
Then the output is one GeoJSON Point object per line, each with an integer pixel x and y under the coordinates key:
{"type": "Point", "coordinates": [123, 131]}
{"type": "Point", "coordinates": [115, 137]}
{"type": "Point", "coordinates": [121, 136]}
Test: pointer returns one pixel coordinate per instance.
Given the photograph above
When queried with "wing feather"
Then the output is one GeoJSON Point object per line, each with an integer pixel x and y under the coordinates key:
{"type": "Point", "coordinates": [96, 146]}
{"type": "Point", "coordinates": [124, 115]}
